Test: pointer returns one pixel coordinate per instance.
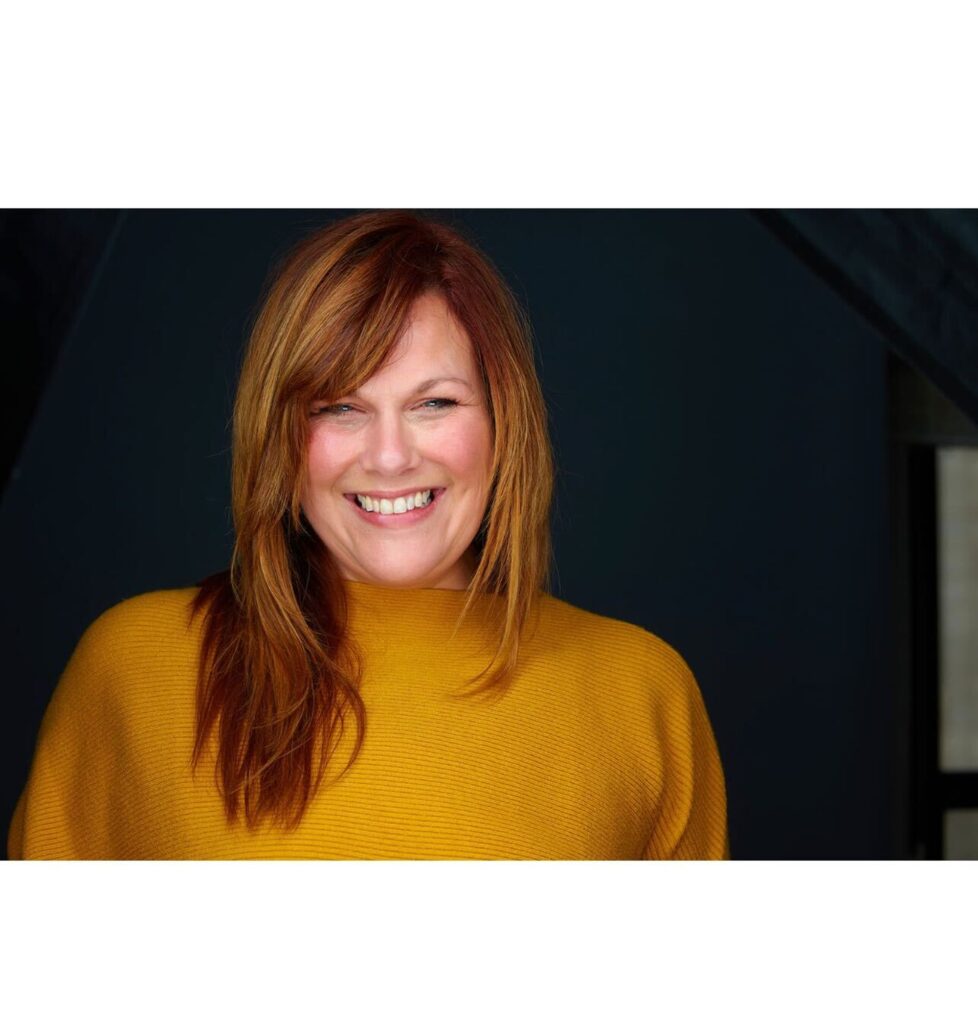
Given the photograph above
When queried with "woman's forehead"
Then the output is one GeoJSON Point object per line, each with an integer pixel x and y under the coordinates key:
{"type": "Point", "coordinates": [433, 349]}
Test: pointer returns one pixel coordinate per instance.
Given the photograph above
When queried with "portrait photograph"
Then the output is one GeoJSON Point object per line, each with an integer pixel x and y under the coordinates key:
{"type": "Point", "coordinates": [488, 513]}
{"type": "Point", "coordinates": [248, 413]}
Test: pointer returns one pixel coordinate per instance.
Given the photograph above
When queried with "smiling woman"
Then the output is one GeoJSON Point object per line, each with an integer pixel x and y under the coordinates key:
{"type": "Point", "coordinates": [380, 673]}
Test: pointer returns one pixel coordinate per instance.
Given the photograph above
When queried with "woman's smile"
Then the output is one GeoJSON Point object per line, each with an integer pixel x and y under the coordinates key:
{"type": "Point", "coordinates": [389, 509]}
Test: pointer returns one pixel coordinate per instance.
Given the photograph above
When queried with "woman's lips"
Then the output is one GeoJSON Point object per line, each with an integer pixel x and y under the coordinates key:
{"type": "Point", "coordinates": [397, 519]}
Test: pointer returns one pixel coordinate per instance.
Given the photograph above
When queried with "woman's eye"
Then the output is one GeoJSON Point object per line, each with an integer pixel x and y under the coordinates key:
{"type": "Point", "coordinates": [334, 411]}
{"type": "Point", "coordinates": [438, 403]}
{"type": "Point", "coordinates": [343, 410]}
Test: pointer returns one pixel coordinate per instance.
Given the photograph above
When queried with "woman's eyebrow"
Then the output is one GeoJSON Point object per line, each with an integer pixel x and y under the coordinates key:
{"type": "Point", "coordinates": [425, 385]}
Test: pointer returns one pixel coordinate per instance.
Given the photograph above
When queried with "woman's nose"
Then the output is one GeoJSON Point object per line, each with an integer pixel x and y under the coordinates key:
{"type": "Point", "coordinates": [389, 447]}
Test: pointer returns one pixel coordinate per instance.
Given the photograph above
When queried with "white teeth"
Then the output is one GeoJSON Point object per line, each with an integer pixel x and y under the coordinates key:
{"type": "Point", "coordinates": [387, 507]}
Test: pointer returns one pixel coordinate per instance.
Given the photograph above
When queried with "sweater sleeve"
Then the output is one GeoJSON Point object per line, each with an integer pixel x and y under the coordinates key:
{"type": "Point", "coordinates": [63, 811]}
{"type": "Point", "coordinates": [692, 819]}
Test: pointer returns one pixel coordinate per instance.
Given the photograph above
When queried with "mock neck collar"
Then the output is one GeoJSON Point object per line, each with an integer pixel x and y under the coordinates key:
{"type": "Point", "coordinates": [399, 602]}
{"type": "Point", "coordinates": [374, 592]}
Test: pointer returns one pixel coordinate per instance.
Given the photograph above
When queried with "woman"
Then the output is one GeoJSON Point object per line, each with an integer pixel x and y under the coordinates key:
{"type": "Point", "coordinates": [379, 674]}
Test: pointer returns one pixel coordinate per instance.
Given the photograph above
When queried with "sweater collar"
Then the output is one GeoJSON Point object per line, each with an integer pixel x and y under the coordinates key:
{"type": "Point", "coordinates": [424, 610]}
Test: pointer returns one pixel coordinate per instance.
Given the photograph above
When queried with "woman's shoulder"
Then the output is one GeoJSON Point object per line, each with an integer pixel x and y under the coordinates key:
{"type": "Point", "coordinates": [611, 640]}
{"type": "Point", "coordinates": [143, 619]}
{"type": "Point", "coordinates": [135, 650]}
{"type": "Point", "coordinates": [134, 638]}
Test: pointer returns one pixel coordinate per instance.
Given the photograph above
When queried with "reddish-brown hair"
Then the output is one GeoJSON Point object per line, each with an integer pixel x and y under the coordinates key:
{"type": "Point", "coordinates": [278, 673]}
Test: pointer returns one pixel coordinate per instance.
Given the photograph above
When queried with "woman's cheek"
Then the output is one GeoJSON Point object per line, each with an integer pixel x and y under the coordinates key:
{"type": "Point", "coordinates": [328, 455]}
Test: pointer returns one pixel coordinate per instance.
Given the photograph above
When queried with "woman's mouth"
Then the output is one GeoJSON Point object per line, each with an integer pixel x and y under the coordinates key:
{"type": "Point", "coordinates": [386, 509]}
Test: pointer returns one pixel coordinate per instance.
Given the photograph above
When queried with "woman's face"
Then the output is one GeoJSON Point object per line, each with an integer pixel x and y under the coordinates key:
{"type": "Point", "coordinates": [397, 476]}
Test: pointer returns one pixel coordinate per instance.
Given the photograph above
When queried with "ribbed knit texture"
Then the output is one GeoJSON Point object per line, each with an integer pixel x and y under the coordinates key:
{"type": "Point", "coordinates": [600, 749]}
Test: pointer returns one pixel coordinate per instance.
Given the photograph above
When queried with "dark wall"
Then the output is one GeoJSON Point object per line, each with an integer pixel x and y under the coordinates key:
{"type": "Point", "coordinates": [48, 259]}
{"type": "Point", "coordinates": [720, 426]}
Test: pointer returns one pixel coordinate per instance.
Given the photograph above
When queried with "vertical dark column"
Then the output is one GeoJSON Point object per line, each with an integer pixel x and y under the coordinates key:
{"type": "Point", "coordinates": [927, 812]}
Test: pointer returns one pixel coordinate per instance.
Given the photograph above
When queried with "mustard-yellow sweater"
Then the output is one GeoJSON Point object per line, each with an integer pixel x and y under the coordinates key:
{"type": "Point", "coordinates": [601, 748]}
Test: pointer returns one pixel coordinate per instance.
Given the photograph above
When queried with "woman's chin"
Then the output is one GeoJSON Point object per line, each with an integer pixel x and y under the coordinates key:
{"type": "Point", "coordinates": [454, 577]}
